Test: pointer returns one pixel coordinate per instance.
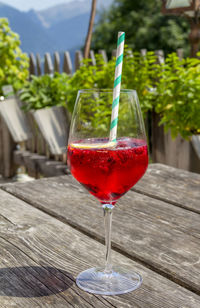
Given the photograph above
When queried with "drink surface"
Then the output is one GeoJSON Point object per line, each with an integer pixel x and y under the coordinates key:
{"type": "Point", "coordinates": [108, 171]}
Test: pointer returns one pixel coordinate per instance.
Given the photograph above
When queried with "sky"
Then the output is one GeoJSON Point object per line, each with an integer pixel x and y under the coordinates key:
{"type": "Point", "coordinates": [25, 5]}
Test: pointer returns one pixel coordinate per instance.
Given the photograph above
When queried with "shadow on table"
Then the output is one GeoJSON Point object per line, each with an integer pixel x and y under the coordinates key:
{"type": "Point", "coordinates": [33, 281]}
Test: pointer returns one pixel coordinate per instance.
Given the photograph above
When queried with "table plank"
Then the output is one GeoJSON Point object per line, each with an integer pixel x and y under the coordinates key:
{"type": "Point", "coordinates": [161, 236]}
{"type": "Point", "coordinates": [177, 186]}
{"type": "Point", "coordinates": [40, 256]}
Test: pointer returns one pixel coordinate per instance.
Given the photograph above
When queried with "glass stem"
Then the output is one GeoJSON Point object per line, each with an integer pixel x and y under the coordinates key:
{"type": "Point", "coordinates": [107, 210]}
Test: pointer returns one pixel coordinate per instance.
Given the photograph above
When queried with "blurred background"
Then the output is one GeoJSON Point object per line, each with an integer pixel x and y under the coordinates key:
{"type": "Point", "coordinates": [58, 25]}
{"type": "Point", "coordinates": [52, 48]}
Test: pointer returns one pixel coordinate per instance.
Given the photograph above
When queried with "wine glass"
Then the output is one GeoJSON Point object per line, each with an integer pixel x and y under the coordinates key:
{"type": "Point", "coordinates": [107, 168]}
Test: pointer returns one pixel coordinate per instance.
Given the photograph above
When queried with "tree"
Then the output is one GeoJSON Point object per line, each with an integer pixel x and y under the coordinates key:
{"type": "Point", "coordinates": [89, 34]}
{"type": "Point", "coordinates": [13, 63]}
{"type": "Point", "coordinates": [145, 27]}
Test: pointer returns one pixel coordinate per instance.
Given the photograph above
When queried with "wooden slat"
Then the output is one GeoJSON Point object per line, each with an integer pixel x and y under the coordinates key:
{"type": "Point", "coordinates": [8, 146]}
{"type": "Point", "coordinates": [161, 236]}
{"type": "Point", "coordinates": [40, 164]}
{"type": "Point", "coordinates": [194, 160]}
{"type": "Point", "coordinates": [38, 64]}
{"type": "Point", "coordinates": [40, 140]}
{"type": "Point", "coordinates": [114, 53]}
{"type": "Point", "coordinates": [31, 144]}
{"type": "Point", "coordinates": [104, 55]}
{"type": "Point", "coordinates": [56, 62]}
{"type": "Point", "coordinates": [196, 144]}
{"type": "Point", "coordinates": [92, 57]}
{"type": "Point", "coordinates": [10, 115]}
{"type": "Point", "coordinates": [41, 256]}
{"type": "Point", "coordinates": [169, 184]}
{"type": "Point", "coordinates": [158, 140]}
{"type": "Point", "coordinates": [160, 56]}
{"type": "Point", "coordinates": [143, 52]}
{"type": "Point", "coordinates": [78, 59]}
{"type": "Point", "coordinates": [32, 64]}
{"type": "Point", "coordinates": [54, 127]}
{"type": "Point", "coordinates": [33, 125]}
{"type": "Point", "coordinates": [180, 53]}
{"type": "Point", "coordinates": [48, 65]}
{"type": "Point", "coordinates": [41, 143]}
{"type": "Point", "coordinates": [176, 152]}
{"type": "Point", "coordinates": [67, 64]}
{"type": "Point", "coordinates": [15, 119]}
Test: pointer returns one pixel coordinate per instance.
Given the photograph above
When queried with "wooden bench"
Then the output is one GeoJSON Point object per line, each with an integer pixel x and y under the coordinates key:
{"type": "Point", "coordinates": [35, 140]}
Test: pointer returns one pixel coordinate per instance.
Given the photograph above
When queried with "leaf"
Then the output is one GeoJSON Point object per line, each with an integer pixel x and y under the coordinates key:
{"type": "Point", "coordinates": [13, 63]}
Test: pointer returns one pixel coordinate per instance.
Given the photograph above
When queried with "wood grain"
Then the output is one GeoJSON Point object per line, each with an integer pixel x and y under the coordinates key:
{"type": "Point", "coordinates": [53, 126]}
{"type": "Point", "coordinates": [38, 63]}
{"type": "Point", "coordinates": [177, 186]}
{"type": "Point", "coordinates": [40, 256]}
{"type": "Point", "coordinates": [92, 57]}
{"type": "Point", "coordinates": [177, 153]}
{"type": "Point", "coordinates": [15, 119]}
{"type": "Point", "coordinates": [67, 63]}
{"type": "Point", "coordinates": [78, 59]}
{"type": "Point", "coordinates": [160, 235]}
{"type": "Point", "coordinates": [32, 64]}
{"type": "Point", "coordinates": [48, 65]}
{"type": "Point", "coordinates": [56, 62]}
{"type": "Point", "coordinates": [8, 166]}
{"type": "Point", "coordinates": [158, 140]}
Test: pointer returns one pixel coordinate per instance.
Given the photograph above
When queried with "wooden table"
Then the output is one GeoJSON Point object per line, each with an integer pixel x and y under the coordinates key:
{"type": "Point", "coordinates": [51, 229]}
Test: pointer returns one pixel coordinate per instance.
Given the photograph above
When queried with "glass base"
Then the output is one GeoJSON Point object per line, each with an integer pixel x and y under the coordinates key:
{"type": "Point", "coordinates": [119, 281]}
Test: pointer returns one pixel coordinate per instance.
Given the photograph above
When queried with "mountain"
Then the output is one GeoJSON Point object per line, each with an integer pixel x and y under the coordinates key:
{"type": "Point", "coordinates": [61, 12]}
{"type": "Point", "coordinates": [70, 33]}
{"type": "Point", "coordinates": [33, 35]}
{"type": "Point", "coordinates": [58, 13]}
{"type": "Point", "coordinates": [59, 28]}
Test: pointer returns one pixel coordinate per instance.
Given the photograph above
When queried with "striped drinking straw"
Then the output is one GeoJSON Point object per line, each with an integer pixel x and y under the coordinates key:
{"type": "Point", "coordinates": [117, 85]}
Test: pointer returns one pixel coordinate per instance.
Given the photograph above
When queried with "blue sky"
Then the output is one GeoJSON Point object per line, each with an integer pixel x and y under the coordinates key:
{"type": "Point", "coordinates": [25, 5]}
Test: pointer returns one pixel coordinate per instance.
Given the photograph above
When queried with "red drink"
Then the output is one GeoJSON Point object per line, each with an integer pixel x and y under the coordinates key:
{"type": "Point", "coordinates": [108, 172]}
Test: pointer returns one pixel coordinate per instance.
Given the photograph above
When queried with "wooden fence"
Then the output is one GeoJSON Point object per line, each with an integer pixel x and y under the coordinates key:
{"type": "Point", "coordinates": [35, 154]}
{"type": "Point", "coordinates": [50, 64]}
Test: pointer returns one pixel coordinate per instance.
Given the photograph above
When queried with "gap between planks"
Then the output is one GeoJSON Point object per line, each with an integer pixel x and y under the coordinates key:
{"type": "Point", "coordinates": [115, 247]}
{"type": "Point", "coordinates": [164, 200]}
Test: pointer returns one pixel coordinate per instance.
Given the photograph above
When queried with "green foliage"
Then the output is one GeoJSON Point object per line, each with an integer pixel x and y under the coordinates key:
{"type": "Point", "coordinates": [172, 89]}
{"type": "Point", "coordinates": [139, 73]}
{"type": "Point", "coordinates": [87, 77]}
{"type": "Point", "coordinates": [177, 96]}
{"type": "Point", "coordinates": [13, 63]}
{"type": "Point", "coordinates": [45, 91]}
{"type": "Point", "coordinates": [145, 27]}
{"type": "Point", "coordinates": [94, 114]}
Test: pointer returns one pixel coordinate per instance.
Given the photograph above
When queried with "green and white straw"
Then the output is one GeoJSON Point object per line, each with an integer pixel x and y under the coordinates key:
{"type": "Point", "coordinates": [117, 86]}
